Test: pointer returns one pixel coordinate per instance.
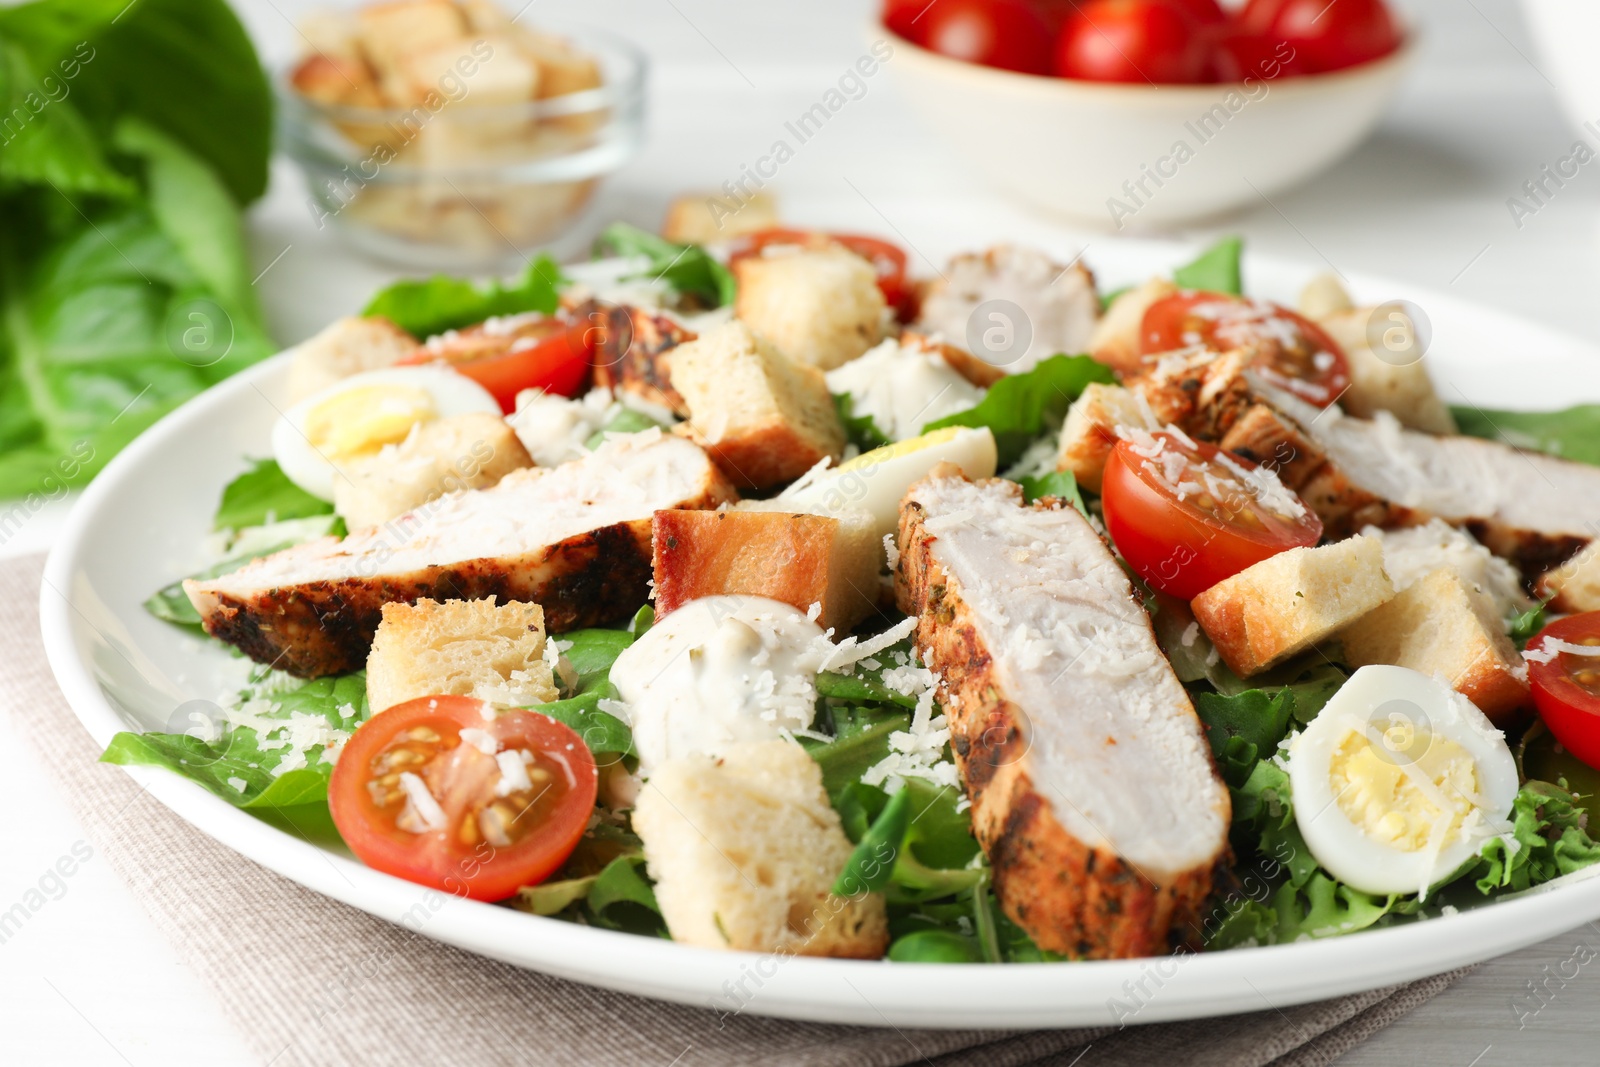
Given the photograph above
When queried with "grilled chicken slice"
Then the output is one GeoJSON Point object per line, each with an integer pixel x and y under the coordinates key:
{"type": "Point", "coordinates": [1058, 302]}
{"type": "Point", "coordinates": [1093, 790]}
{"type": "Point", "coordinates": [574, 539]}
{"type": "Point", "coordinates": [632, 352]}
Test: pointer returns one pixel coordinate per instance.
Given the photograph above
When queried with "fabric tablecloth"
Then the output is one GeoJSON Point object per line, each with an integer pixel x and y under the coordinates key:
{"type": "Point", "coordinates": [308, 980]}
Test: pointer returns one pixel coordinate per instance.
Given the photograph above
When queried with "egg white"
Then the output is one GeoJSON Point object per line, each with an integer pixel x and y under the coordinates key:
{"type": "Point", "coordinates": [452, 394]}
{"type": "Point", "coordinates": [1344, 848]}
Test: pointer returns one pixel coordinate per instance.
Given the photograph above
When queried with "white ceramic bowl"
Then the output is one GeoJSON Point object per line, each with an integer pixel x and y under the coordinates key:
{"type": "Point", "coordinates": [1140, 157]}
{"type": "Point", "coordinates": [1566, 32]}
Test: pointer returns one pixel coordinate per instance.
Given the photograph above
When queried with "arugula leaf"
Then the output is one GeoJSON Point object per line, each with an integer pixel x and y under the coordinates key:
{"type": "Point", "coordinates": [1215, 270]}
{"type": "Point", "coordinates": [625, 421]}
{"type": "Point", "coordinates": [689, 269]}
{"type": "Point", "coordinates": [432, 306]}
{"type": "Point", "coordinates": [605, 734]}
{"type": "Point", "coordinates": [935, 946]}
{"type": "Point", "coordinates": [240, 769]}
{"type": "Point", "coordinates": [592, 652]}
{"type": "Point", "coordinates": [861, 740]}
{"type": "Point", "coordinates": [859, 430]}
{"type": "Point", "coordinates": [621, 899]}
{"type": "Point", "coordinates": [1061, 484]}
{"type": "Point", "coordinates": [264, 494]}
{"type": "Point", "coordinates": [872, 862]}
{"type": "Point", "coordinates": [1572, 433]}
{"type": "Point", "coordinates": [1020, 407]}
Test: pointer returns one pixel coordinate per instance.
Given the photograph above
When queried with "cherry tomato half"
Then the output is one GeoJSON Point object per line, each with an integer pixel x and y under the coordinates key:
{"type": "Point", "coordinates": [1329, 36]}
{"type": "Point", "coordinates": [1291, 351]}
{"type": "Point", "coordinates": [1566, 687]}
{"type": "Point", "coordinates": [414, 798]}
{"type": "Point", "coordinates": [1186, 514]}
{"type": "Point", "coordinates": [887, 259]}
{"type": "Point", "coordinates": [550, 354]}
{"type": "Point", "coordinates": [1010, 34]}
{"type": "Point", "coordinates": [1141, 41]}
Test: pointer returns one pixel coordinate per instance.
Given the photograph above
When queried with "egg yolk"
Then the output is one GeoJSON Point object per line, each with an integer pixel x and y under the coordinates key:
{"type": "Point", "coordinates": [359, 421]}
{"type": "Point", "coordinates": [1402, 786]}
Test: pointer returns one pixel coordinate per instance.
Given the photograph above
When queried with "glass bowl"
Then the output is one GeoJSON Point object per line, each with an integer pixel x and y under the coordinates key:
{"type": "Point", "coordinates": [456, 186]}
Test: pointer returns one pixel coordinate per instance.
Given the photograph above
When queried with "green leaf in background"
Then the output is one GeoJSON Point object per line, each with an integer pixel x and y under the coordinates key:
{"type": "Point", "coordinates": [1215, 270]}
{"type": "Point", "coordinates": [238, 767]}
{"type": "Point", "coordinates": [432, 306]}
{"type": "Point", "coordinates": [186, 67]}
{"type": "Point", "coordinates": [1019, 408]}
{"type": "Point", "coordinates": [859, 430]}
{"type": "Point", "coordinates": [689, 269]}
{"type": "Point", "coordinates": [1573, 433]}
{"type": "Point", "coordinates": [265, 494]}
{"type": "Point", "coordinates": [46, 144]}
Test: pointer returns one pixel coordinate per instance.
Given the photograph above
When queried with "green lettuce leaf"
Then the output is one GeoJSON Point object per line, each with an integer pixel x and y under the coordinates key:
{"type": "Point", "coordinates": [1215, 270]}
{"type": "Point", "coordinates": [264, 494]}
{"type": "Point", "coordinates": [859, 430]}
{"type": "Point", "coordinates": [1551, 833]}
{"type": "Point", "coordinates": [432, 306]}
{"type": "Point", "coordinates": [689, 269]}
{"type": "Point", "coordinates": [1572, 433]}
{"type": "Point", "coordinates": [1020, 408]}
{"type": "Point", "coordinates": [1060, 484]}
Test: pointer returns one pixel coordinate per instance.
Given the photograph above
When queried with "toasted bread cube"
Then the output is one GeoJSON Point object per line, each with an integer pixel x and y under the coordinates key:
{"type": "Point", "coordinates": [469, 648]}
{"type": "Point", "coordinates": [562, 67]}
{"type": "Point", "coordinates": [1440, 627]}
{"type": "Point", "coordinates": [744, 852]}
{"type": "Point", "coordinates": [763, 418]}
{"type": "Point", "coordinates": [505, 77]}
{"type": "Point", "coordinates": [1090, 432]}
{"type": "Point", "coordinates": [820, 306]}
{"type": "Point", "coordinates": [1324, 295]}
{"type": "Point", "coordinates": [389, 31]}
{"type": "Point", "coordinates": [802, 560]}
{"type": "Point", "coordinates": [1394, 379]}
{"type": "Point", "coordinates": [702, 218]}
{"type": "Point", "coordinates": [1287, 603]}
{"type": "Point", "coordinates": [1115, 341]}
{"type": "Point", "coordinates": [337, 80]}
{"type": "Point", "coordinates": [1575, 585]}
{"type": "Point", "coordinates": [471, 451]}
{"type": "Point", "coordinates": [485, 16]}
{"type": "Point", "coordinates": [348, 347]}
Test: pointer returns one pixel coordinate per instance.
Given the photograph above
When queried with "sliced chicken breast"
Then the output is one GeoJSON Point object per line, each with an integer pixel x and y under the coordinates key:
{"type": "Point", "coordinates": [1093, 789]}
{"type": "Point", "coordinates": [1058, 302]}
{"type": "Point", "coordinates": [574, 539]}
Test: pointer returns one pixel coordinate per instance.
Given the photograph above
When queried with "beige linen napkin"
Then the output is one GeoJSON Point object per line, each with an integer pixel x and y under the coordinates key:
{"type": "Point", "coordinates": [308, 980]}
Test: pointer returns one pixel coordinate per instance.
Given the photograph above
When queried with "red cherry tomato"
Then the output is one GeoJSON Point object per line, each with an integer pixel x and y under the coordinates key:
{"type": "Point", "coordinates": [1329, 36]}
{"type": "Point", "coordinates": [887, 259]}
{"type": "Point", "coordinates": [1203, 12]}
{"type": "Point", "coordinates": [1141, 41]}
{"type": "Point", "coordinates": [474, 833]}
{"type": "Point", "coordinates": [906, 18]}
{"type": "Point", "coordinates": [1239, 54]}
{"type": "Point", "coordinates": [1186, 514]}
{"type": "Point", "coordinates": [1566, 687]}
{"type": "Point", "coordinates": [549, 354]}
{"type": "Point", "coordinates": [1291, 351]}
{"type": "Point", "coordinates": [1010, 34]}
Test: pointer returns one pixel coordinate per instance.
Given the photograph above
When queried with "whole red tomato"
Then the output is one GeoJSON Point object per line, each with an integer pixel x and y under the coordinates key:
{"type": "Point", "coordinates": [906, 18]}
{"type": "Point", "coordinates": [1132, 41]}
{"type": "Point", "coordinates": [1204, 12]}
{"type": "Point", "coordinates": [1239, 54]}
{"type": "Point", "coordinates": [1327, 35]}
{"type": "Point", "coordinates": [1010, 34]}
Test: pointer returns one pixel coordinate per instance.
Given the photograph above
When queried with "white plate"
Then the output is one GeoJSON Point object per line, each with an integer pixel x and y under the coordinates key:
{"type": "Point", "coordinates": [139, 526]}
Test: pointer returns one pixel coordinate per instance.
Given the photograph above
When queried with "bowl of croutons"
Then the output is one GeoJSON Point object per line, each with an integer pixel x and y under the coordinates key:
{"type": "Point", "coordinates": [447, 134]}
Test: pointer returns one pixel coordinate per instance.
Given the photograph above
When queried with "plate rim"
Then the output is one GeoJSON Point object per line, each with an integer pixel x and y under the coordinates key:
{"type": "Point", "coordinates": [821, 990]}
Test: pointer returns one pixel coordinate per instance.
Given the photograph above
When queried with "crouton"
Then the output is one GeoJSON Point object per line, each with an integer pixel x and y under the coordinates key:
{"type": "Point", "coordinates": [563, 68]}
{"type": "Point", "coordinates": [348, 347]}
{"type": "Point", "coordinates": [1574, 586]}
{"type": "Point", "coordinates": [470, 648]}
{"type": "Point", "coordinates": [1391, 377]}
{"type": "Point", "coordinates": [703, 218]}
{"type": "Point", "coordinates": [340, 81]}
{"type": "Point", "coordinates": [819, 306]}
{"type": "Point", "coordinates": [744, 852]}
{"type": "Point", "coordinates": [1285, 604]}
{"type": "Point", "coordinates": [1115, 341]}
{"type": "Point", "coordinates": [472, 451]}
{"type": "Point", "coordinates": [500, 75]}
{"type": "Point", "coordinates": [1090, 432]}
{"type": "Point", "coordinates": [802, 560]}
{"type": "Point", "coordinates": [1441, 627]}
{"type": "Point", "coordinates": [1324, 295]}
{"type": "Point", "coordinates": [391, 30]}
{"type": "Point", "coordinates": [763, 419]}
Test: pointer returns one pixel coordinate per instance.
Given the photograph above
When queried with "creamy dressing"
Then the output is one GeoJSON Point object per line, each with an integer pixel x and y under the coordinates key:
{"type": "Point", "coordinates": [903, 388]}
{"type": "Point", "coordinates": [717, 671]}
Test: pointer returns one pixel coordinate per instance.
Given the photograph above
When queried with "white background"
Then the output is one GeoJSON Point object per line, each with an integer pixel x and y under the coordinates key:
{"type": "Point", "coordinates": [89, 981]}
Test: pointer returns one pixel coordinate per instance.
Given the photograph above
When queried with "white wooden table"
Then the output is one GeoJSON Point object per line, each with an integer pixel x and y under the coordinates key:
{"type": "Point", "coordinates": [89, 981]}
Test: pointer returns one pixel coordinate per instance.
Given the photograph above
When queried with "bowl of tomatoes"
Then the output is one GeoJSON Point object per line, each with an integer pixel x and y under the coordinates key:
{"type": "Point", "coordinates": [1139, 114]}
